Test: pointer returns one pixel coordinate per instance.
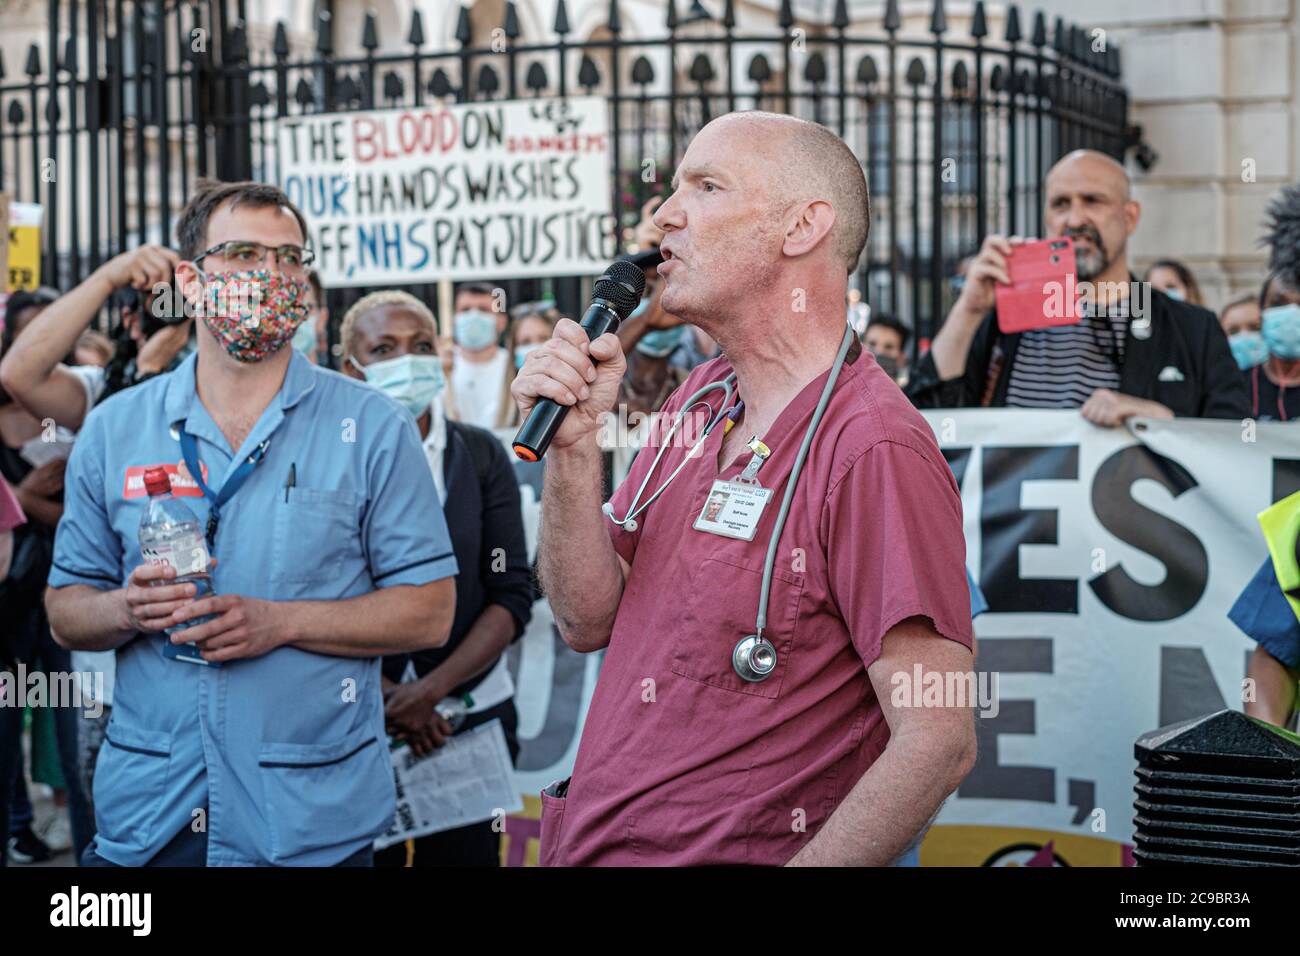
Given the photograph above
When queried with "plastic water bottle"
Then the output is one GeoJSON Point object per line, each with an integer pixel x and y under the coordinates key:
{"type": "Point", "coordinates": [454, 710]}
{"type": "Point", "coordinates": [170, 534]}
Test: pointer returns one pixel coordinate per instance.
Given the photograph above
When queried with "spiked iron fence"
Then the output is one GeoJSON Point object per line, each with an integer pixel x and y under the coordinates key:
{"type": "Point", "coordinates": [129, 101]}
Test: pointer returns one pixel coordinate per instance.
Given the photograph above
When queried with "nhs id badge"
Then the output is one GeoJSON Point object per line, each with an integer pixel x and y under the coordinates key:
{"type": "Point", "coordinates": [733, 510]}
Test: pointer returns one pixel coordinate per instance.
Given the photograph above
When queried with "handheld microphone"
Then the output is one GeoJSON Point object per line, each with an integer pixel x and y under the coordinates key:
{"type": "Point", "coordinates": [614, 296]}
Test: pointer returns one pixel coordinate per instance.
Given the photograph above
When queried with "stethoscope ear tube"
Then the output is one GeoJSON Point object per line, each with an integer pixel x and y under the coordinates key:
{"type": "Point", "coordinates": [628, 522]}
{"type": "Point", "coordinates": [775, 540]}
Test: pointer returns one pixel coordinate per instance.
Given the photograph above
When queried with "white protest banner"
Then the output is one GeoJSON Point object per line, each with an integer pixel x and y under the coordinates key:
{"type": "Point", "coordinates": [1109, 558]}
{"type": "Point", "coordinates": [513, 188]}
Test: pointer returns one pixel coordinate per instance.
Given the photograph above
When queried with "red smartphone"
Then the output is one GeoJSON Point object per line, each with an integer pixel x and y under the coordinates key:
{"type": "Point", "coordinates": [1043, 291]}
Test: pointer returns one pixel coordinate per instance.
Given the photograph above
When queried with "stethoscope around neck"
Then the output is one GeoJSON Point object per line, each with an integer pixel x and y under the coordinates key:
{"type": "Point", "coordinates": [754, 657]}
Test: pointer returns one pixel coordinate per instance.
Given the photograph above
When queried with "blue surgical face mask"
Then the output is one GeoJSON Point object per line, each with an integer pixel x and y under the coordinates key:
{"type": "Point", "coordinates": [1248, 348]}
{"type": "Point", "coordinates": [1175, 295]}
{"type": "Point", "coordinates": [1280, 326]}
{"type": "Point", "coordinates": [661, 343]}
{"type": "Point", "coordinates": [474, 329]}
{"type": "Point", "coordinates": [522, 351]}
{"type": "Point", "coordinates": [304, 340]}
{"type": "Point", "coordinates": [413, 381]}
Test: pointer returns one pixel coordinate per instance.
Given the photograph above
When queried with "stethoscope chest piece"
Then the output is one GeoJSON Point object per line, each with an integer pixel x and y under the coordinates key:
{"type": "Point", "coordinates": [754, 658]}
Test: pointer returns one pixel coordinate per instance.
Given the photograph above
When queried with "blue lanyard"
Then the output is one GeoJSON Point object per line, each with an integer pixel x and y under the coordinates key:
{"type": "Point", "coordinates": [236, 481]}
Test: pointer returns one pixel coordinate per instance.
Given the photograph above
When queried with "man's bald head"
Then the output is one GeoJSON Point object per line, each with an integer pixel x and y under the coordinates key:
{"type": "Point", "coordinates": [762, 204]}
{"type": "Point", "coordinates": [1095, 165]}
{"type": "Point", "coordinates": [805, 161]}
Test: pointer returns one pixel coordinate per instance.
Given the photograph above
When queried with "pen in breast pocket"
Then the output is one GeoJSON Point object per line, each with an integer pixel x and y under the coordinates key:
{"type": "Point", "coordinates": [291, 480]}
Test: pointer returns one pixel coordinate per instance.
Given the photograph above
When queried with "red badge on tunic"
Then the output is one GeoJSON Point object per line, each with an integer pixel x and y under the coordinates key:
{"type": "Point", "coordinates": [183, 485]}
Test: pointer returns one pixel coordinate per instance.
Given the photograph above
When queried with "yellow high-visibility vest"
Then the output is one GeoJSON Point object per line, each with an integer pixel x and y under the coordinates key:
{"type": "Point", "coordinates": [1281, 526]}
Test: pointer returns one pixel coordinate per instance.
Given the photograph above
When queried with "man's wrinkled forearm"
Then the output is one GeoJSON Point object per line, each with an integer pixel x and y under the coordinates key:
{"type": "Point", "coordinates": [387, 621]}
{"type": "Point", "coordinates": [83, 618]}
{"type": "Point", "coordinates": [892, 802]}
{"type": "Point", "coordinates": [579, 567]}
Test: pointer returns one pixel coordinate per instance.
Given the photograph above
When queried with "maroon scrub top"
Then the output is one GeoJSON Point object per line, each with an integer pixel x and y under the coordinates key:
{"type": "Point", "coordinates": [681, 762]}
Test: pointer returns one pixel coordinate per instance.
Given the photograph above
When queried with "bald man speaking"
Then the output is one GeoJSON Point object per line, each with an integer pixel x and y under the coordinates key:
{"type": "Point", "coordinates": [1136, 351]}
{"type": "Point", "coordinates": [784, 564]}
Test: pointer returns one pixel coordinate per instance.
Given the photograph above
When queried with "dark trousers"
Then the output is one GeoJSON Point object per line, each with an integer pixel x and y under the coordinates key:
{"type": "Point", "coordinates": [11, 761]}
{"type": "Point", "coordinates": [39, 649]}
{"type": "Point", "coordinates": [21, 814]}
{"type": "Point", "coordinates": [477, 844]}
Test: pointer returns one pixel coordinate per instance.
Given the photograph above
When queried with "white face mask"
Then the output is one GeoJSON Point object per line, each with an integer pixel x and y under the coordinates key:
{"type": "Point", "coordinates": [474, 329]}
{"type": "Point", "coordinates": [413, 381]}
{"type": "Point", "coordinates": [522, 353]}
{"type": "Point", "coordinates": [304, 340]}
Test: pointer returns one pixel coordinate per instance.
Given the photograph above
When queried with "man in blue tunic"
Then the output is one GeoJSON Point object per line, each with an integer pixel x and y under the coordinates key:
{"type": "Point", "coordinates": [330, 547]}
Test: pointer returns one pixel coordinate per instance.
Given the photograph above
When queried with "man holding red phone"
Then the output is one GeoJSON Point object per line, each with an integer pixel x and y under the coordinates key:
{"type": "Point", "coordinates": [1134, 352]}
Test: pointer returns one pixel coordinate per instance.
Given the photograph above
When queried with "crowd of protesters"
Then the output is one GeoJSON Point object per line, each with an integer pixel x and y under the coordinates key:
{"type": "Point", "coordinates": [443, 536]}
{"type": "Point", "coordinates": [58, 366]}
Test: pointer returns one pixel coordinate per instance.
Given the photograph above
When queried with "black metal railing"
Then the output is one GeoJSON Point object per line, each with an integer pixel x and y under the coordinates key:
{"type": "Point", "coordinates": [130, 100]}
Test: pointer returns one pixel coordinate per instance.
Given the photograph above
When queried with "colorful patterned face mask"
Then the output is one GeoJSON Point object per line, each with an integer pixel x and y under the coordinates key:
{"type": "Point", "coordinates": [255, 312]}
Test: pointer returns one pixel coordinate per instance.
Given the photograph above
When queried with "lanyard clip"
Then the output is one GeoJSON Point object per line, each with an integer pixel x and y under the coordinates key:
{"type": "Point", "coordinates": [761, 453]}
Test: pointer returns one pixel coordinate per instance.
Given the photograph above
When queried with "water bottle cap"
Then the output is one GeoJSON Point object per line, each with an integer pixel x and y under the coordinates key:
{"type": "Point", "coordinates": [157, 482]}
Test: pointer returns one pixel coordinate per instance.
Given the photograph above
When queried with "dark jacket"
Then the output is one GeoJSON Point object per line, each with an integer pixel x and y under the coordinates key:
{"type": "Point", "coordinates": [22, 592]}
{"type": "Point", "coordinates": [483, 514]}
{"type": "Point", "coordinates": [1186, 337]}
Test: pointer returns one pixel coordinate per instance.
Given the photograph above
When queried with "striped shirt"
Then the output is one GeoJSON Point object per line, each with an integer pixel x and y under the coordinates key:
{"type": "Point", "coordinates": [1060, 367]}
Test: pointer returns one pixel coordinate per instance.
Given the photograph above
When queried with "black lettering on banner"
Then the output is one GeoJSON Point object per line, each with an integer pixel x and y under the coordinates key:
{"type": "Point", "coordinates": [500, 255]}
{"type": "Point", "coordinates": [1187, 686]}
{"type": "Point", "coordinates": [958, 459]}
{"type": "Point", "coordinates": [480, 253]}
{"type": "Point", "coordinates": [1187, 566]}
{"type": "Point", "coordinates": [570, 170]}
{"type": "Point", "coordinates": [363, 203]}
{"type": "Point", "coordinates": [452, 184]}
{"type": "Point", "coordinates": [564, 703]}
{"type": "Point", "coordinates": [289, 130]}
{"type": "Point", "coordinates": [1082, 796]}
{"type": "Point", "coordinates": [1005, 526]}
{"type": "Point", "coordinates": [1286, 478]}
{"type": "Point", "coordinates": [549, 235]}
{"type": "Point", "coordinates": [478, 180]}
{"type": "Point", "coordinates": [990, 779]}
{"type": "Point", "coordinates": [483, 127]}
{"type": "Point", "coordinates": [518, 174]}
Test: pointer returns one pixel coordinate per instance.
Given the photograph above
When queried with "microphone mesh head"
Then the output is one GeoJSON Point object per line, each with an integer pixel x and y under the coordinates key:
{"type": "Point", "coordinates": [621, 286]}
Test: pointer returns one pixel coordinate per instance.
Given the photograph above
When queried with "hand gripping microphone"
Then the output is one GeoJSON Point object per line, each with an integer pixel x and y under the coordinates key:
{"type": "Point", "coordinates": [614, 296]}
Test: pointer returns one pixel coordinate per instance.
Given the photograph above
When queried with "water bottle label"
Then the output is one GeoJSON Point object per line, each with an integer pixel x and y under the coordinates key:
{"type": "Point", "coordinates": [189, 653]}
{"type": "Point", "coordinates": [187, 557]}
